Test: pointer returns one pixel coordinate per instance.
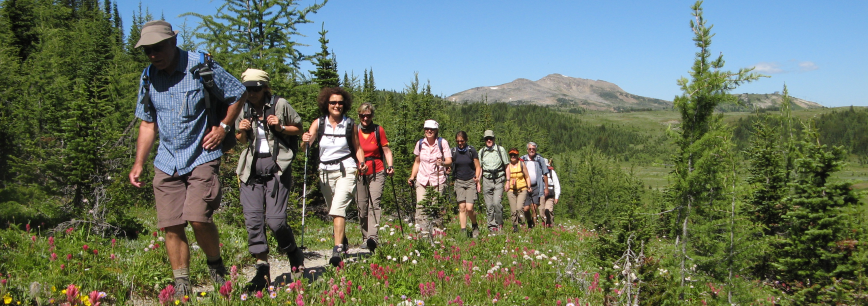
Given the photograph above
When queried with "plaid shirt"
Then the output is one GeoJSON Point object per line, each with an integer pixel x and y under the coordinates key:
{"type": "Point", "coordinates": [181, 120]}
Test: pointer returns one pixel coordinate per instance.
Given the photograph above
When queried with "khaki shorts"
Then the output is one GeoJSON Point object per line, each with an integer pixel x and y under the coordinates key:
{"type": "Point", "coordinates": [338, 190]}
{"type": "Point", "coordinates": [465, 191]}
{"type": "Point", "coordinates": [190, 197]}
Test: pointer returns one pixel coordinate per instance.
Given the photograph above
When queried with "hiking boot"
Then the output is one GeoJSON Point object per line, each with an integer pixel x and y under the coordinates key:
{"type": "Point", "coordinates": [182, 288]}
{"type": "Point", "coordinates": [262, 278]}
{"type": "Point", "coordinates": [346, 245]}
{"type": "Point", "coordinates": [296, 259]}
{"type": "Point", "coordinates": [371, 245]}
{"type": "Point", "coordinates": [336, 259]}
{"type": "Point", "coordinates": [475, 232]}
{"type": "Point", "coordinates": [217, 271]}
{"type": "Point", "coordinates": [515, 228]}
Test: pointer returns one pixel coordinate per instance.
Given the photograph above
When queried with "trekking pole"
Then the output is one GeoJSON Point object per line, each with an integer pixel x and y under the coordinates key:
{"type": "Point", "coordinates": [397, 205]}
{"type": "Point", "coordinates": [304, 194]}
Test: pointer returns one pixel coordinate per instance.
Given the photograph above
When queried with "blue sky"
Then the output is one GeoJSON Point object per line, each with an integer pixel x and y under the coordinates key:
{"type": "Point", "coordinates": [818, 49]}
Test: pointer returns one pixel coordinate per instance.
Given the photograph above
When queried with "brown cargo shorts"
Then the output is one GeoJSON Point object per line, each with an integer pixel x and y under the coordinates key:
{"type": "Point", "coordinates": [190, 197]}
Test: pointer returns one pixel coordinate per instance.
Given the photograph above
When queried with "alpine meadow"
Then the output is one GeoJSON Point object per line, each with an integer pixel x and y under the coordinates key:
{"type": "Point", "coordinates": [707, 201]}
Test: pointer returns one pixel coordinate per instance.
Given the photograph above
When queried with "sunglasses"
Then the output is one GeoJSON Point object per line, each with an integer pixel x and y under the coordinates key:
{"type": "Point", "coordinates": [153, 49]}
{"type": "Point", "coordinates": [366, 115]}
{"type": "Point", "coordinates": [335, 102]}
{"type": "Point", "coordinates": [254, 88]}
{"type": "Point", "coordinates": [531, 149]}
{"type": "Point", "coordinates": [489, 139]}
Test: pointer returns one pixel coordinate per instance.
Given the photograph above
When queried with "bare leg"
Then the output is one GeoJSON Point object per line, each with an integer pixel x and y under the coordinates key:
{"type": "Point", "coordinates": [470, 212]}
{"type": "Point", "coordinates": [208, 238]}
{"type": "Point", "coordinates": [177, 247]}
{"type": "Point", "coordinates": [340, 227]}
{"type": "Point", "coordinates": [462, 214]}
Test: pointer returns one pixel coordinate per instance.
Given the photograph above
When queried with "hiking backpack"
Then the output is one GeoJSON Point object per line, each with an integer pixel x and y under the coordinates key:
{"type": "Point", "coordinates": [320, 132]}
{"type": "Point", "coordinates": [379, 145]}
{"type": "Point", "coordinates": [289, 141]}
{"type": "Point", "coordinates": [213, 114]}
{"type": "Point", "coordinates": [501, 168]}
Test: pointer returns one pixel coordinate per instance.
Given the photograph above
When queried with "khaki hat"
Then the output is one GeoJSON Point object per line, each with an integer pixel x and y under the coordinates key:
{"type": "Point", "coordinates": [154, 32]}
{"type": "Point", "coordinates": [488, 133]}
{"type": "Point", "coordinates": [431, 124]}
{"type": "Point", "coordinates": [254, 77]}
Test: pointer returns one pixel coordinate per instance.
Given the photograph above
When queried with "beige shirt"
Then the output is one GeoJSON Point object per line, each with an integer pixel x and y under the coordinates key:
{"type": "Point", "coordinates": [286, 115]}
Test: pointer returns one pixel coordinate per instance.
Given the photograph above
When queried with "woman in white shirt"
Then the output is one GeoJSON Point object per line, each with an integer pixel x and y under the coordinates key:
{"type": "Point", "coordinates": [339, 153]}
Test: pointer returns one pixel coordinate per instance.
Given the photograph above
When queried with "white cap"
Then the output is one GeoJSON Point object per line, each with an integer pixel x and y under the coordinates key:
{"type": "Point", "coordinates": [431, 124]}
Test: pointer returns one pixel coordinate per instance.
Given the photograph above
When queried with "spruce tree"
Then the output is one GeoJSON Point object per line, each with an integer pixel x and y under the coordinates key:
{"type": "Point", "coordinates": [697, 190]}
{"type": "Point", "coordinates": [326, 73]}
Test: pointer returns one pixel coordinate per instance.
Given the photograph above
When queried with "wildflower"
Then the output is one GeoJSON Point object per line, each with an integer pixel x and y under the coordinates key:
{"type": "Point", "coordinates": [94, 297]}
{"type": "Point", "coordinates": [71, 293]}
{"type": "Point", "coordinates": [33, 238]}
{"type": "Point", "coordinates": [7, 299]}
{"type": "Point", "coordinates": [114, 242]}
{"type": "Point", "coordinates": [259, 294]}
{"type": "Point", "coordinates": [62, 266]}
{"type": "Point", "coordinates": [244, 296]}
{"type": "Point", "coordinates": [51, 241]}
{"type": "Point", "coordinates": [270, 288]}
{"type": "Point", "coordinates": [95, 252]}
{"type": "Point", "coordinates": [571, 304]}
{"type": "Point", "coordinates": [166, 295]}
{"type": "Point", "coordinates": [84, 247]}
{"type": "Point", "coordinates": [420, 303]}
{"type": "Point", "coordinates": [272, 295]}
{"type": "Point", "coordinates": [68, 256]}
{"type": "Point", "coordinates": [161, 239]}
{"type": "Point", "coordinates": [147, 249]}
{"type": "Point", "coordinates": [27, 227]}
{"type": "Point", "coordinates": [53, 257]}
{"type": "Point", "coordinates": [299, 300]}
{"type": "Point", "coordinates": [226, 289]}
{"type": "Point", "coordinates": [113, 257]}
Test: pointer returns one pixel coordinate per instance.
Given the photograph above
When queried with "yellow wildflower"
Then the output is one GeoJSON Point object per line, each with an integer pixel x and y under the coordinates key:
{"type": "Point", "coordinates": [53, 289]}
{"type": "Point", "coordinates": [7, 299]}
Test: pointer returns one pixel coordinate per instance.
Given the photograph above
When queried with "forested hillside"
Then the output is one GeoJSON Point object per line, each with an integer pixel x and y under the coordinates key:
{"type": "Point", "coordinates": [751, 211]}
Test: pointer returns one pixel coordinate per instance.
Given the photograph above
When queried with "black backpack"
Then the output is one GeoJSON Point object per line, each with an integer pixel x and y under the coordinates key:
{"type": "Point", "coordinates": [455, 152]}
{"type": "Point", "coordinates": [204, 72]}
{"type": "Point", "coordinates": [289, 141]}
{"type": "Point", "coordinates": [349, 135]}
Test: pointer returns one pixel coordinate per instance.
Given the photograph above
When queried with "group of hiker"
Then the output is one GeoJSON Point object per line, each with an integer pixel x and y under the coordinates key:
{"type": "Point", "coordinates": [199, 110]}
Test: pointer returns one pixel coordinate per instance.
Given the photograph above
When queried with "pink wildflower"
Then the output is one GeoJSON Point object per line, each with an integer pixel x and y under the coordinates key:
{"type": "Point", "coordinates": [62, 266]}
{"type": "Point", "coordinates": [114, 242]}
{"type": "Point", "coordinates": [71, 293]}
{"type": "Point", "coordinates": [68, 256]}
{"type": "Point", "coordinates": [53, 257]}
{"type": "Point", "coordinates": [51, 241]}
{"type": "Point", "coordinates": [95, 252]}
{"type": "Point", "coordinates": [113, 257]}
{"type": "Point", "coordinates": [84, 247]}
{"type": "Point", "coordinates": [155, 234]}
{"type": "Point", "coordinates": [226, 289]}
{"type": "Point", "coordinates": [233, 272]}
{"type": "Point", "coordinates": [94, 296]}
{"type": "Point", "coordinates": [33, 238]}
{"type": "Point", "coordinates": [27, 227]}
{"type": "Point", "coordinates": [166, 295]}
{"type": "Point", "coordinates": [69, 230]}
{"type": "Point", "coordinates": [259, 294]}
{"type": "Point", "coordinates": [299, 300]}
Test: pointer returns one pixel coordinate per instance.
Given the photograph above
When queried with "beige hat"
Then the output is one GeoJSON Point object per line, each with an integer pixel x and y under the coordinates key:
{"type": "Point", "coordinates": [431, 124]}
{"type": "Point", "coordinates": [488, 133]}
{"type": "Point", "coordinates": [254, 77]}
{"type": "Point", "coordinates": [154, 32]}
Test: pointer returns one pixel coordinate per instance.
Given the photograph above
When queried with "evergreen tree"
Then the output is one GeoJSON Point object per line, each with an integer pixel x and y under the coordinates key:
{"type": "Point", "coordinates": [326, 73]}
{"type": "Point", "coordinates": [697, 190]}
{"type": "Point", "coordinates": [256, 34]}
{"type": "Point", "coordinates": [818, 251]}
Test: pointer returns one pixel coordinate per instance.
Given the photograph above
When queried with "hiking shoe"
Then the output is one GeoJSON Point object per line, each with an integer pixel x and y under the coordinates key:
{"type": "Point", "coordinates": [364, 246]}
{"type": "Point", "coordinates": [475, 232]}
{"type": "Point", "coordinates": [262, 278]}
{"type": "Point", "coordinates": [345, 244]}
{"type": "Point", "coordinates": [296, 259]}
{"type": "Point", "coordinates": [217, 271]}
{"type": "Point", "coordinates": [371, 245]}
{"type": "Point", "coordinates": [182, 288]}
{"type": "Point", "coordinates": [336, 259]}
{"type": "Point", "coordinates": [515, 228]}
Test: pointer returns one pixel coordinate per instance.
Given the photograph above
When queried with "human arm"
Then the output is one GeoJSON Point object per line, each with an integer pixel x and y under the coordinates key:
{"type": "Point", "coordinates": [414, 171]}
{"type": "Point", "coordinates": [388, 154]}
{"type": "Point", "coordinates": [478, 176]}
{"type": "Point", "coordinates": [217, 133]}
{"type": "Point", "coordinates": [147, 135]}
{"type": "Point", "coordinates": [360, 153]}
{"type": "Point", "coordinates": [526, 175]}
{"type": "Point", "coordinates": [307, 138]}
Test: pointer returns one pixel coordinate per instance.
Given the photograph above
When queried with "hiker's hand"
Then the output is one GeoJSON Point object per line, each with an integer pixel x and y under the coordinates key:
{"type": "Point", "coordinates": [546, 192]}
{"type": "Point", "coordinates": [213, 139]}
{"type": "Point", "coordinates": [363, 167]}
{"type": "Point", "coordinates": [244, 125]}
{"type": "Point", "coordinates": [556, 201]}
{"type": "Point", "coordinates": [134, 176]}
{"type": "Point", "coordinates": [478, 187]}
{"type": "Point", "coordinates": [410, 181]}
{"type": "Point", "coordinates": [272, 121]}
{"type": "Point", "coordinates": [390, 171]}
{"type": "Point", "coordinates": [305, 137]}
{"type": "Point", "coordinates": [439, 162]}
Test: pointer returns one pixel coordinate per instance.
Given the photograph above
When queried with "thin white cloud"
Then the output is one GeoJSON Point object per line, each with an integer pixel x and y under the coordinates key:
{"type": "Point", "coordinates": [768, 67]}
{"type": "Point", "coordinates": [807, 66]}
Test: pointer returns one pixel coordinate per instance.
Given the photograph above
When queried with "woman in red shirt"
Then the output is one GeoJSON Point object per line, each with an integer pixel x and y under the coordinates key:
{"type": "Point", "coordinates": [372, 174]}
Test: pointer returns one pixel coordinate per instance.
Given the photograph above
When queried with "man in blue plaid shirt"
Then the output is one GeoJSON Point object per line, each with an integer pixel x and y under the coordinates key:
{"type": "Point", "coordinates": [186, 175]}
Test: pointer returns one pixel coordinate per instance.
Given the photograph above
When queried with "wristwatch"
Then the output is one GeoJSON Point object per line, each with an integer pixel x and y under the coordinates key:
{"type": "Point", "coordinates": [226, 127]}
